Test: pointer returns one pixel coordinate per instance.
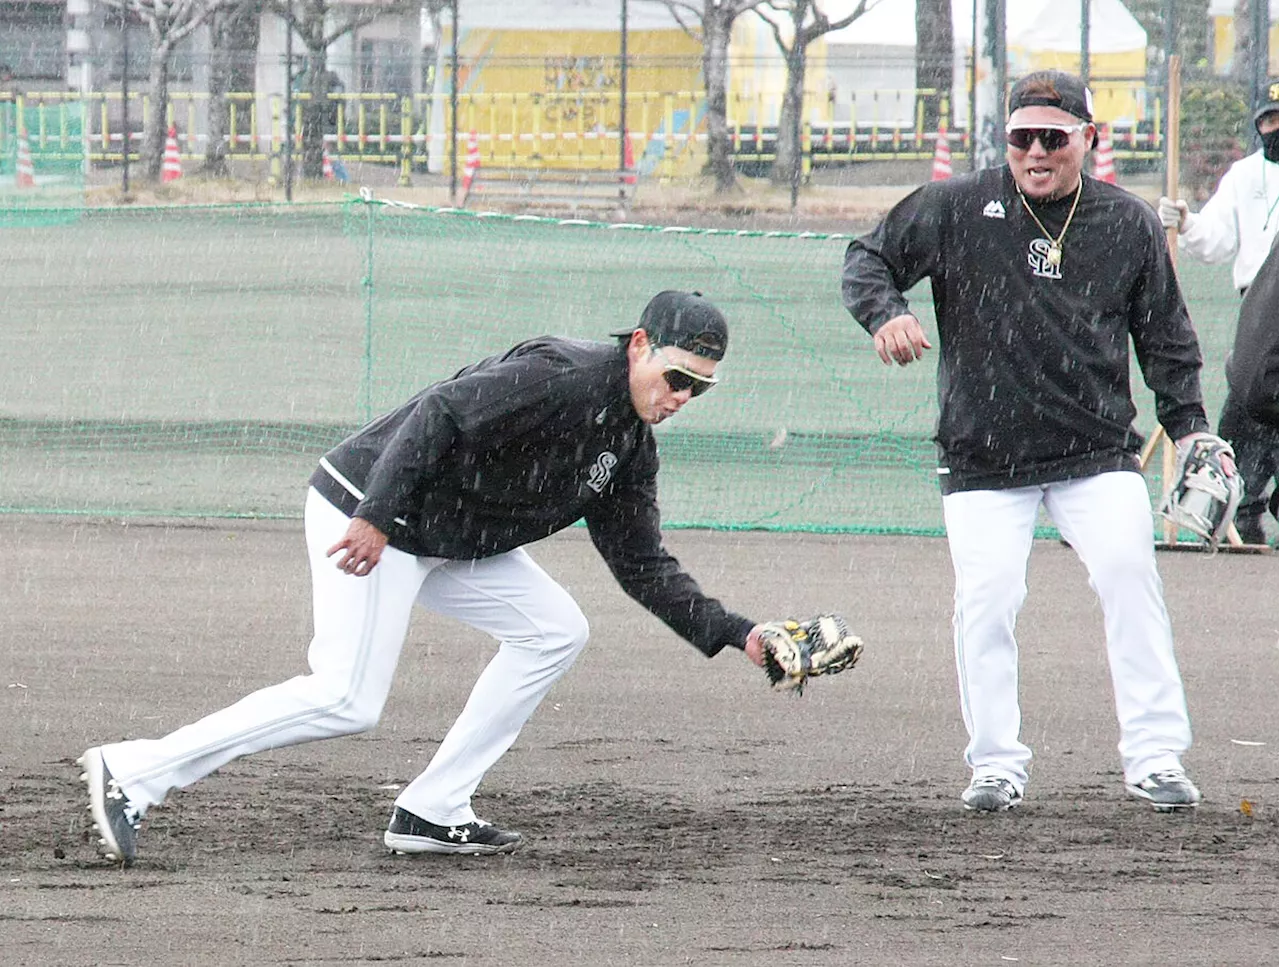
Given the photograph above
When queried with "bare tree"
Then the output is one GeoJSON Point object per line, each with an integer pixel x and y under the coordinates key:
{"type": "Point", "coordinates": [805, 21]}
{"type": "Point", "coordinates": [715, 19]}
{"type": "Point", "coordinates": [435, 9]}
{"type": "Point", "coordinates": [233, 43]}
{"type": "Point", "coordinates": [935, 50]}
{"type": "Point", "coordinates": [1191, 36]}
{"type": "Point", "coordinates": [169, 22]}
{"type": "Point", "coordinates": [318, 24]}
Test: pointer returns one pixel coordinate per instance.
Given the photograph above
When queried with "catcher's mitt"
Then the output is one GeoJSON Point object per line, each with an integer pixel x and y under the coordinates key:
{"type": "Point", "coordinates": [1200, 496]}
{"type": "Point", "coordinates": [795, 651]}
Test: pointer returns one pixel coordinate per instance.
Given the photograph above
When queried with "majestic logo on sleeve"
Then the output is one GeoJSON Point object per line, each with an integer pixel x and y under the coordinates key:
{"type": "Point", "coordinates": [601, 471]}
{"type": "Point", "coordinates": [1040, 262]}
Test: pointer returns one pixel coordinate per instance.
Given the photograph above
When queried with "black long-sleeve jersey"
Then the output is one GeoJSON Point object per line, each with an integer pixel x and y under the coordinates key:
{"type": "Point", "coordinates": [1033, 367]}
{"type": "Point", "coordinates": [514, 448]}
{"type": "Point", "coordinates": [1255, 356]}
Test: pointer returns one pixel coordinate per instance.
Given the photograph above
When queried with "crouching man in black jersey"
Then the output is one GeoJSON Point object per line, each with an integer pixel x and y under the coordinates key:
{"type": "Point", "coordinates": [1041, 278]}
{"type": "Point", "coordinates": [431, 504]}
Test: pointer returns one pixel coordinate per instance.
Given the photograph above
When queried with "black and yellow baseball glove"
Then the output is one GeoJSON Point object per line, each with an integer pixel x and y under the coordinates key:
{"type": "Point", "coordinates": [795, 651]}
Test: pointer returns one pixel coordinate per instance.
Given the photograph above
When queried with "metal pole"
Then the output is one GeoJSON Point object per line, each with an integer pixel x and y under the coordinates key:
{"type": "Point", "coordinates": [453, 105]}
{"type": "Point", "coordinates": [973, 92]}
{"type": "Point", "coordinates": [622, 89]}
{"type": "Point", "coordinates": [1002, 73]}
{"type": "Point", "coordinates": [288, 105]}
{"type": "Point", "coordinates": [124, 98]}
{"type": "Point", "coordinates": [1260, 17]}
{"type": "Point", "coordinates": [1084, 41]}
{"type": "Point", "coordinates": [1170, 50]}
{"type": "Point", "coordinates": [797, 158]}
{"type": "Point", "coordinates": [988, 140]}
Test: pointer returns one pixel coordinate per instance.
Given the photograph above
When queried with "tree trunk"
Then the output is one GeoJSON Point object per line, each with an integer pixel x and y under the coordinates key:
{"type": "Point", "coordinates": [1242, 59]}
{"type": "Point", "coordinates": [153, 134]}
{"type": "Point", "coordinates": [715, 69]}
{"type": "Point", "coordinates": [935, 46]}
{"type": "Point", "coordinates": [234, 40]}
{"type": "Point", "coordinates": [315, 112]}
{"type": "Point", "coordinates": [787, 156]}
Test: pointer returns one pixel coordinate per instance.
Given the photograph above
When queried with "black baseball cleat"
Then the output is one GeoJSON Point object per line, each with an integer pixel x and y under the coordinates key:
{"type": "Point", "coordinates": [413, 834]}
{"type": "Point", "coordinates": [114, 817]}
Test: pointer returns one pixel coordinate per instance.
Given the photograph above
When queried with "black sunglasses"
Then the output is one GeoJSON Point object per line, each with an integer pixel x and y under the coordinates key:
{"type": "Point", "coordinates": [1054, 138]}
{"type": "Point", "coordinates": [680, 379]}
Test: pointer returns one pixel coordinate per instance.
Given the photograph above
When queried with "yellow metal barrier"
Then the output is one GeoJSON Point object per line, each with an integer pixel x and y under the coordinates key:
{"type": "Point", "coordinates": [575, 130]}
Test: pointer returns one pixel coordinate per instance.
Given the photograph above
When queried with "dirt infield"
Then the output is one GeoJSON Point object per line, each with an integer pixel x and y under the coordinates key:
{"type": "Point", "coordinates": [676, 811]}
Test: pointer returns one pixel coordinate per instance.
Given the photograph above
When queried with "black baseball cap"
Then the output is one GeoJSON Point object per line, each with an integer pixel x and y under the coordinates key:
{"type": "Point", "coordinates": [1053, 89]}
{"type": "Point", "coordinates": [686, 321]}
{"type": "Point", "coordinates": [1269, 102]}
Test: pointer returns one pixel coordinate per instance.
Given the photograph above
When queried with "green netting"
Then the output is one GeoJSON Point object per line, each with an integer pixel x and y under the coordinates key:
{"type": "Point", "coordinates": [197, 361]}
{"type": "Point", "coordinates": [42, 164]}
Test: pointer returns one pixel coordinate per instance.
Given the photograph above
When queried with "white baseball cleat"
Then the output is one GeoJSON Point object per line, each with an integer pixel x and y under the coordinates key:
{"type": "Point", "coordinates": [1167, 791]}
{"type": "Point", "coordinates": [991, 794]}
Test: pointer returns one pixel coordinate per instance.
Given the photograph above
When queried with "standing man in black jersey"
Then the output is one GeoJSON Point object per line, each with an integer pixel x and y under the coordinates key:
{"type": "Point", "coordinates": [431, 504]}
{"type": "Point", "coordinates": [1041, 278]}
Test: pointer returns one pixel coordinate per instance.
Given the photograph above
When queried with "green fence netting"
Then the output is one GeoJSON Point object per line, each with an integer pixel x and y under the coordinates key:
{"type": "Point", "coordinates": [197, 361]}
{"type": "Point", "coordinates": [42, 164]}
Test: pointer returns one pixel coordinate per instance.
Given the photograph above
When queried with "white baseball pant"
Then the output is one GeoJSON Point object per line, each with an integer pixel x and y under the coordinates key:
{"type": "Point", "coordinates": [1107, 520]}
{"type": "Point", "coordinates": [360, 627]}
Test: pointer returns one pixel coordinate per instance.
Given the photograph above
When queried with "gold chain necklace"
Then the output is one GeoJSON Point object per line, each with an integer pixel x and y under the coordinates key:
{"type": "Point", "coordinates": [1055, 244]}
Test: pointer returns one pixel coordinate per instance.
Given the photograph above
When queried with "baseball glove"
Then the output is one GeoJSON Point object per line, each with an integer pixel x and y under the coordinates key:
{"type": "Point", "coordinates": [795, 651]}
{"type": "Point", "coordinates": [1200, 496]}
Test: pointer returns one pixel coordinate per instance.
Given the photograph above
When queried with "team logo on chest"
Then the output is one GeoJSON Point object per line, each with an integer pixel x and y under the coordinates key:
{"type": "Point", "coordinates": [1040, 256]}
{"type": "Point", "coordinates": [601, 471]}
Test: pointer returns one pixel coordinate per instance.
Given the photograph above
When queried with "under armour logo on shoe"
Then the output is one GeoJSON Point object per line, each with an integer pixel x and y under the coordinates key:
{"type": "Point", "coordinates": [460, 833]}
{"type": "Point", "coordinates": [994, 209]}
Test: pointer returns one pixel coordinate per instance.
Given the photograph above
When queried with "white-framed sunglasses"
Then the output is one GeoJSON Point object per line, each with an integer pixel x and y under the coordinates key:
{"type": "Point", "coordinates": [680, 379]}
{"type": "Point", "coordinates": [1054, 137]}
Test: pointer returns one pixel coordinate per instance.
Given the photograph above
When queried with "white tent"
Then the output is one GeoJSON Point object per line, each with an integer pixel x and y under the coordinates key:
{"type": "Point", "coordinates": [872, 61]}
{"type": "Point", "coordinates": [1054, 25]}
{"type": "Point", "coordinates": [1227, 8]}
{"type": "Point", "coordinates": [887, 23]}
{"type": "Point", "coordinates": [1038, 24]}
{"type": "Point", "coordinates": [562, 15]}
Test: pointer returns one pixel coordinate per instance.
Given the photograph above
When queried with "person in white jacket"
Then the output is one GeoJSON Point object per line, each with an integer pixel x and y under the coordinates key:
{"type": "Point", "coordinates": [1241, 221]}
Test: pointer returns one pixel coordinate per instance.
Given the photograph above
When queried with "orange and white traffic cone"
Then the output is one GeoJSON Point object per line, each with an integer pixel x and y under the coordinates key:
{"type": "Point", "coordinates": [172, 167]}
{"type": "Point", "coordinates": [472, 164]}
{"type": "Point", "coordinates": [326, 167]}
{"type": "Point", "coordinates": [628, 159]}
{"type": "Point", "coordinates": [25, 173]}
{"type": "Point", "coordinates": [1104, 164]}
{"type": "Point", "coordinates": [942, 155]}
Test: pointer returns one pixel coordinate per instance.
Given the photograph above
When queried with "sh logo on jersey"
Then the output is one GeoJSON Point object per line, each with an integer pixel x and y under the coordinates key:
{"type": "Point", "coordinates": [1040, 262]}
{"type": "Point", "coordinates": [601, 471]}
